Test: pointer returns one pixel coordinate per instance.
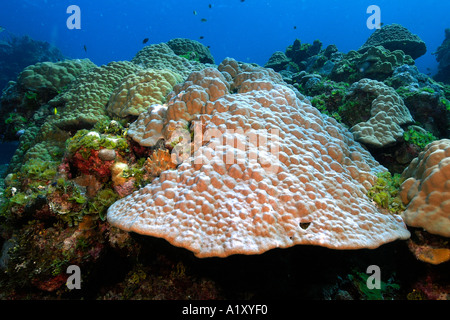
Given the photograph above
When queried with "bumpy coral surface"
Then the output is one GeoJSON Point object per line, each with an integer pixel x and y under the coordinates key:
{"type": "Point", "coordinates": [140, 90]}
{"type": "Point", "coordinates": [182, 46]}
{"type": "Point", "coordinates": [52, 75]}
{"type": "Point", "coordinates": [161, 56]}
{"type": "Point", "coordinates": [375, 63]}
{"type": "Point", "coordinates": [427, 188]}
{"type": "Point", "coordinates": [264, 170]}
{"type": "Point", "coordinates": [396, 37]}
{"type": "Point", "coordinates": [84, 104]}
{"type": "Point", "coordinates": [388, 113]}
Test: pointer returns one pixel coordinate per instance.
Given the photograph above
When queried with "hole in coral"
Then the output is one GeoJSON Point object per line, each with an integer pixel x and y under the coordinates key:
{"type": "Point", "coordinates": [304, 225]}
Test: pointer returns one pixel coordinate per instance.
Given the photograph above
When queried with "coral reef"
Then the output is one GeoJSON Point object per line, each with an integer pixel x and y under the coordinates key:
{"type": "Point", "coordinates": [250, 204]}
{"type": "Point", "coordinates": [228, 161]}
{"type": "Point", "coordinates": [443, 57]}
{"type": "Point", "coordinates": [429, 107]}
{"type": "Point", "coordinates": [24, 102]}
{"type": "Point", "coordinates": [310, 58]}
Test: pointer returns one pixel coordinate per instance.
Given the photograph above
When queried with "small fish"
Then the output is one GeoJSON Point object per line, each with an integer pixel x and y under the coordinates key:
{"type": "Point", "coordinates": [242, 0]}
{"type": "Point", "coordinates": [209, 47]}
{"type": "Point", "coordinates": [55, 111]}
{"type": "Point", "coordinates": [195, 13]}
{"type": "Point", "coordinates": [20, 132]}
{"type": "Point", "coordinates": [210, 5]}
{"type": "Point", "coordinates": [204, 20]}
{"type": "Point", "coordinates": [295, 27]}
{"type": "Point", "coordinates": [202, 37]}
{"type": "Point", "coordinates": [145, 41]}
{"type": "Point", "coordinates": [85, 48]}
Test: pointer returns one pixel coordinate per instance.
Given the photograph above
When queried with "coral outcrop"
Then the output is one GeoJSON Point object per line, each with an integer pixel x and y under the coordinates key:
{"type": "Point", "coordinates": [263, 170]}
{"type": "Point", "coordinates": [53, 76]}
{"type": "Point", "coordinates": [187, 47]}
{"type": "Point", "coordinates": [304, 57]}
{"type": "Point", "coordinates": [17, 53]}
{"type": "Point", "coordinates": [426, 189]}
{"type": "Point", "coordinates": [387, 114]}
{"type": "Point", "coordinates": [140, 90]}
{"type": "Point", "coordinates": [161, 56]}
{"type": "Point", "coordinates": [376, 63]}
{"type": "Point", "coordinates": [84, 103]}
{"type": "Point", "coordinates": [23, 102]}
{"type": "Point", "coordinates": [396, 37]}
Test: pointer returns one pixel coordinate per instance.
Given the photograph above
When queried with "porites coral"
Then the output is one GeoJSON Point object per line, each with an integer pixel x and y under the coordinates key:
{"type": "Point", "coordinates": [267, 171]}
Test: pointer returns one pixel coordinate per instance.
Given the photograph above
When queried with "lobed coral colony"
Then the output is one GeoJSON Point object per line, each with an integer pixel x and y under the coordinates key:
{"type": "Point", "coordinates": [317, 149]}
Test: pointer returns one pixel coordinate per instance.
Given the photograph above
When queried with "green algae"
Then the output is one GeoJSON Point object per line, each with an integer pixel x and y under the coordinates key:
{"type": "Point", "coordinates": [84, 141]}
{"type": "Point", "coordinates": [385, 192]}
{"type": "Point", "coordinates": [418, 138]}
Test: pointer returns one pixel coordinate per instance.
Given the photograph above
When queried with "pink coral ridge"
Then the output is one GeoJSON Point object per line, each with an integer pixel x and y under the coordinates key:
{"type": "Point", "coordinates": [426, 190]}
{"type": "Point", "coordinates": [266, 170]}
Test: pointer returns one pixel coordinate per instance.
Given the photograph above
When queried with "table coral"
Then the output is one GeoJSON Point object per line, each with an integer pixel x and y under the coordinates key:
{"type": "Point", "coordinates": [267, 171]}
{"type": "Point", "coordinates": [426, 189]}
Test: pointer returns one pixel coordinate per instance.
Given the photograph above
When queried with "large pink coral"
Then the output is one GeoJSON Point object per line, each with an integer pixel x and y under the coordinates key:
{"type": "Point", "coordinates": [266, 170]}
{"type": "Point", "coordinates": [426, 190]}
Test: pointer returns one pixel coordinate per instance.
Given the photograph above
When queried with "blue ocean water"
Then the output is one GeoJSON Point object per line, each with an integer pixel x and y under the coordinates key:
{"type": "Point", "coordinates": [248, 31]}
